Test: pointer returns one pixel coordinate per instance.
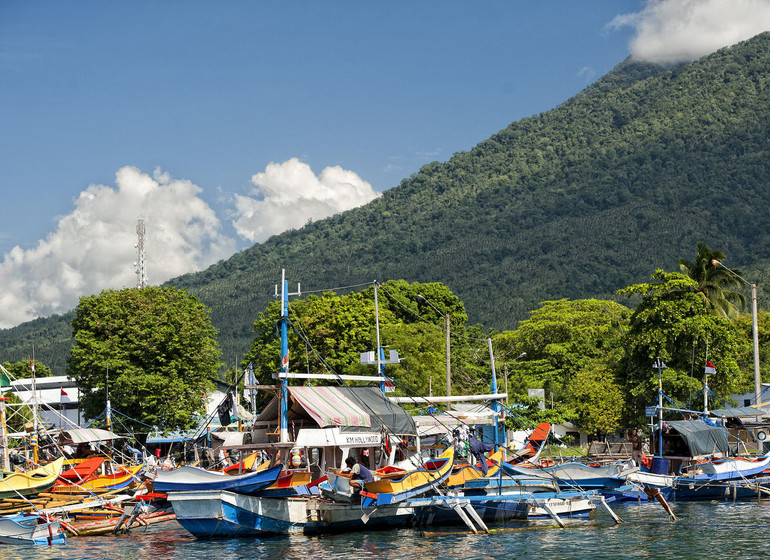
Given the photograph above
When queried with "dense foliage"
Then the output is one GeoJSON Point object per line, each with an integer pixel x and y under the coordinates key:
{"type": "Point", "coordinates": [154, 349]}
{"type": "Point", "coordinates": [23, 369]}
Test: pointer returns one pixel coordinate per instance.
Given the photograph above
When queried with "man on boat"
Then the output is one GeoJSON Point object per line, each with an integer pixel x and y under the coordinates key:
{"type": "Point", "coordinates": [357, 473]}
{"type": "Point", "coordinates": [636, 446]}
{"type": "Point", "coordinates": [479, 449]}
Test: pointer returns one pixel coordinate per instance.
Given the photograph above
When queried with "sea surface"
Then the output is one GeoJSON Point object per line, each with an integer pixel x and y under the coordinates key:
{"type": "Point", "coordinates": [702, 531]}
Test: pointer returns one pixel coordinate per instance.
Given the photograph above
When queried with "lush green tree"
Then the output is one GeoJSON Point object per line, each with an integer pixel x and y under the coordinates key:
{"type": "Point", "coordinates": [674, 323]}
{"type": "Point", "coordinates": [23, 369]}
{"type": "Point", "coordinates": [714, 282]}
{"type": "Point", "coordinates": [329, 332]}
{"type": "Point", "coordinates": [598, 399]}
{"type": "Point", "coordinates": [155, 349]}
{"type": "Point", "coordinates": [563, 337]}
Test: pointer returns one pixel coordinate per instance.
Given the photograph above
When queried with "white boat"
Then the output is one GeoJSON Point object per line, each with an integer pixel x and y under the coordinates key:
{"type": "Point", "coordinates": [572, 474]}
{"type": "Point", "coordinates": [729, 468]}
{"type": "Point", "coordinates": [26, 528]}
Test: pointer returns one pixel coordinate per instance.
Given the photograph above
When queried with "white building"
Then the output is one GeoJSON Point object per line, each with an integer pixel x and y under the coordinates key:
{"type": "Point", "coordinates": [56, 398]}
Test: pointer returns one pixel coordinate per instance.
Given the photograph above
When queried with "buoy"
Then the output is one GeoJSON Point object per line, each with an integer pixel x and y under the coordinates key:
{"type": "Point", "coordinates": [296, 457]}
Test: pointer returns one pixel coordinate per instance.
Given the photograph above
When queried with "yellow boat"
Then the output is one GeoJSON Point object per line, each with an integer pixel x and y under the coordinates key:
{"type": "Point", "coordinates": [463, 473]}
{"type": "Point", "coordinates": [411, 483]}
{"type": "Point", "coordinates": [31, 482]}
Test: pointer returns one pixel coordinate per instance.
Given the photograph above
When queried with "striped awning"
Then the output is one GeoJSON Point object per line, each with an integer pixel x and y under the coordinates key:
{"type": "Point", "coordinates": [88, 435]}
{"type": "Point", "coordinates": [329, 407]}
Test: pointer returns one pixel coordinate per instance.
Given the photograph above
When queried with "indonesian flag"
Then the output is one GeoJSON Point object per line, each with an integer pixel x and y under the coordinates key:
{"type": "Point", "coordinates": [64, 397]}
{"type": "Point", "coordinates": [32, 366]}
{"type": "Point", "coordinates": [710, 368]}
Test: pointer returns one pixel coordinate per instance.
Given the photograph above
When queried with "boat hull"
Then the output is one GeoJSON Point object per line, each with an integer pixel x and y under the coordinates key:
{"type": "Point", "coordinates": [225, 514]}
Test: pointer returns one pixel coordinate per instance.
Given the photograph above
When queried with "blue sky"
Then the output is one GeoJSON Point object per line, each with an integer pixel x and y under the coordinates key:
{"type": "Point", "coordinates": [222, 123]}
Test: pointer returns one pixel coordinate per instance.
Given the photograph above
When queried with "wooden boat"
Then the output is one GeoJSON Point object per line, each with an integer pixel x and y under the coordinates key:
{"type": "Point", "coordinates": [248, 464]}
{"type": "Point", "coordinates": [533, 445]}
{"type": "Point", "coordinates": [86, 477]}
{"type": "Point", "coordinates": [412, 483]}
{"type": "Point", "coordinates": [124, 478]}
{"type": "Point", "coordinates": [573, 474]}
{"type": "Point", "coordinates": [292, 483]}
{"type": "Point", "coordinates": [29, 528]}
{"type": "Point", "coordinates": [194, 478]}
{"type": "Point", "coordinates": [505, 484]}
{"type": "Point", "coordinates": [31, 482]}
{"type": "Point", "coordinates": [463, 473]}
{"type": "Point", "coordinates": [728, 468]}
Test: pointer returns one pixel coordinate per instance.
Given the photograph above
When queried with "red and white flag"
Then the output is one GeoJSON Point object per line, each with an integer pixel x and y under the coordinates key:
{"type": "Point", "coordinates": [32, 366]}
{"type": "Point", "coordinates": [64, 398]}
{"type": "Point", "coordinates": [710, 368]}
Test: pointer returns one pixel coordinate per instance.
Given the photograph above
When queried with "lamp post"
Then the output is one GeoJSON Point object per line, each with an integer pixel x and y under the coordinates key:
{"type": "Point", "coordinates": [448, 361]}
{"type": "Point", "coordinates": [505, 368]}
{"type": "Point", "coordinates": [755, 332]}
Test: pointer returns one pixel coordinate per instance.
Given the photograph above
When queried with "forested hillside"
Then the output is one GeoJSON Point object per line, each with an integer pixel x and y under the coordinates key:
{"type": "Point", "coordinates": [576, 202]}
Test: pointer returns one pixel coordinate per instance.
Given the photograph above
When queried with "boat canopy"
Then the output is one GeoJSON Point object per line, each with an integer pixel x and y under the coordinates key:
{"type": "Point", "coordinates": [698, 437]}
{"type": "Point", "coordinates": [88, 435]}
{"type": "Point", "coordinates": [738, 412]}
{"type": "Point", "coordinates": [348, 408]}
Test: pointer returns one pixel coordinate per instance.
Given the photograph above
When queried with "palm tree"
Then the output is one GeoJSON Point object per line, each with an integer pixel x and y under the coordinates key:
{"type": "Point", "coordinates": [714, 283]}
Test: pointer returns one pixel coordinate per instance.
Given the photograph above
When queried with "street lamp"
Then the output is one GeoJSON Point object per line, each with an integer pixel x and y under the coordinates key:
{"type": "Point", "coordinates": [757, 379]}
{"type": "Point", "coordinates": [505, 368]}
{"type": "Point", "coordinates": [448, 362]}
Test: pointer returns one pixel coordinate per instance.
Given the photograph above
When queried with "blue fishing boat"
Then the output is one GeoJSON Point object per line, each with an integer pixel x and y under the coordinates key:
{"type": "Point", "coordinates": [187, 479]}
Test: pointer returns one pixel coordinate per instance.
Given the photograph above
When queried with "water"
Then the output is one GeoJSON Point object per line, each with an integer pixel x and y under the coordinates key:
{"type": "Point", "coordinates": [703, 530]}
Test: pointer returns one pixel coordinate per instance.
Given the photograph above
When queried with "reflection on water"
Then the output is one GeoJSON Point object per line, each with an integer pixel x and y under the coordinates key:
{"type": "Point", "coordinates": [702, 531]}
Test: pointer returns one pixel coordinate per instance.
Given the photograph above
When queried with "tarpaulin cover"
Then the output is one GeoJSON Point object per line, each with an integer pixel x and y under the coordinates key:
{"type": "Point", "coordinates": [88, 435]}
{"type": "Point", "coordinates": [397, 420]}
{"type": "Point", "coordinates": [700, 438]}
{"type": "Point", "coordinates": [349, 408]}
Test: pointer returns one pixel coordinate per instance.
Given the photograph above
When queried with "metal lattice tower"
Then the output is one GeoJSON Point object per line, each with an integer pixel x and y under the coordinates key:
{"type": "Point", "coordinates": [141, 269]}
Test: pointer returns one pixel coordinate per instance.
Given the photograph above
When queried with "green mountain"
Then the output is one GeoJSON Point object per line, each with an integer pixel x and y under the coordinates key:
{"type": "Point", "coordinates": [576, 202]}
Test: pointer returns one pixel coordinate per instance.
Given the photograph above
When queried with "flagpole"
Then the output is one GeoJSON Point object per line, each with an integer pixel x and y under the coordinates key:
{"type": "Point", "coordinates": [706, 383]}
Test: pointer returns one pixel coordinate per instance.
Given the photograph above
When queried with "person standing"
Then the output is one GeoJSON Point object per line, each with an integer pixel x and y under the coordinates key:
{"type": "Point", "coordinates": [636, 446]}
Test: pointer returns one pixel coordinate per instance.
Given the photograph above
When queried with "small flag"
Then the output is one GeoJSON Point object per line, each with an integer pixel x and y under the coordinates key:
{"type": "Point", "coordinates": [32, 366]}
{"type": "Point", "coordinates": [710, 369]}
{"type": "Point", "coordinates": [64, 397]}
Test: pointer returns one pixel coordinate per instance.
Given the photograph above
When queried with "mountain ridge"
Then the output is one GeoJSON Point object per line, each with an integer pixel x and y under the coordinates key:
{"type": "Point", "coordinates": [579, 201]}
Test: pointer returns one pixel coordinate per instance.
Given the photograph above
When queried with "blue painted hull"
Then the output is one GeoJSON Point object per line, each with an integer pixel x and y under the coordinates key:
{"type": "Point", "coordinates": [225, 514]}
{"type": "Point", "coordinates": [193, 479]}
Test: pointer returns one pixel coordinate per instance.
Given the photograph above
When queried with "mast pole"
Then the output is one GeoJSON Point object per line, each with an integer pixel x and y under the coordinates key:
{"type": "Point", "coordinates": [284, 358]}
{"type": "Point", "coordinates": [495, 403]}
{"type": "Point", "coordinates": [380, 351]}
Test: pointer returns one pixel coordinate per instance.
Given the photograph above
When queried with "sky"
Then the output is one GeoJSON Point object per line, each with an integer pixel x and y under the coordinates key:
{"type": "Point", "coordinates": [220, 123]}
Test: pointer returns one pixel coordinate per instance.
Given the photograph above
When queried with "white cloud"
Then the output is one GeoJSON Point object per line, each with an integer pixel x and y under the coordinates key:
{"type": "Point", "coordinates": [289, 194]}
{"type": "Point", "coordinates": [672, 31]}
{"type": "Point", "coordinates": [92, 248]}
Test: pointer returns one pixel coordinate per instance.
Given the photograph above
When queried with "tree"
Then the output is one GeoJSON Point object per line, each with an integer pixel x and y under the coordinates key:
{"type": "Point", "coordinates": [598, 399]}
{"type": "Point", "coordinates": [714, 283]}
{"type": "Point", "coordinates": [23, 369]}
{"type": "Point", "coordinates": [563, 337]}
{"type": "Point", "coordinates": [155, 347]}
{"type": "Point", "coordinates": [673, 322]}
{"type": "Point", "coordinates": [329, 332]}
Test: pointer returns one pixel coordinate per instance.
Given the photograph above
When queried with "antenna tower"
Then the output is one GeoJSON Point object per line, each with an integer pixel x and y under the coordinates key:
{"type": "Point", "coordinates": [141, 268]}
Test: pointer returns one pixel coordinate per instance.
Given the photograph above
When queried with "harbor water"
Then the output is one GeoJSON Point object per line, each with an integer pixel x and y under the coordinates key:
{"type": "Point", "coordinates": [702, 530]}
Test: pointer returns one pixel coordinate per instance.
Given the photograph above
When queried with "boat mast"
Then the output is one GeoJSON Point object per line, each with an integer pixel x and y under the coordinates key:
{"type": "Point", "coordinates": [380, 350]}
{"type": "Point", "coordinates": [5, 383]}
{"type": "Point", "coordinates": [660, 365]}
{"type": "Point", "coordinates": [495, 402]}
{"type": "Point", "coordinates": [284, 391]}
